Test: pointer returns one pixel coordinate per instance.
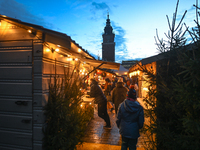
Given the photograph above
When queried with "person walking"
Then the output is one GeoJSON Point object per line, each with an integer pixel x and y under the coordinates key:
{"type": "Point", "coordinates": [114, 83]}
{"type": "Point", "coordinates": [100, 99]}
{"type": "Point", "coordinates": [135, 83]}
{"type": "Point", "coordinates": [119, 94]}
{"type": "Point", "coordinates": [128, 83]}
{"type": "Point", "coordinates": [130, 119]}
{"type": "Point", "coordinates": [107, 93]}
{"type": "Point", "coordinates": [107, 87]}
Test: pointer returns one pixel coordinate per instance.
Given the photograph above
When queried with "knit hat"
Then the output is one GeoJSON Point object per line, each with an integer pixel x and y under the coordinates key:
{"type": "Point", "coordinates": [131, 93]}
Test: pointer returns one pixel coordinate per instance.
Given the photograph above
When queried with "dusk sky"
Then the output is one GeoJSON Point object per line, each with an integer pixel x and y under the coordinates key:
{"type": "Point", "coordinates": [134, 21]}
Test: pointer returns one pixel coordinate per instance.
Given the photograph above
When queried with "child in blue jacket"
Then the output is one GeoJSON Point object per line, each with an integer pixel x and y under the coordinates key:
{"type": "Point", "coordinates": [130, 119]}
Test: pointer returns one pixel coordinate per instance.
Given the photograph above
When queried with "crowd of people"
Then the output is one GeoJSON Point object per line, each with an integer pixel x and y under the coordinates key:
{"type": "Point", "coordinates": [121, 98]}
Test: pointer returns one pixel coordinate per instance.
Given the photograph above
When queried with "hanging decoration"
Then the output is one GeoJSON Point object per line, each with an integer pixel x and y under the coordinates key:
{"type": "Point", "coordinates": [103, 74]}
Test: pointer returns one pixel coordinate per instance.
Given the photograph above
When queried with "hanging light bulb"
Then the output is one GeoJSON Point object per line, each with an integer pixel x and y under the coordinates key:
{"type": "Point", "coordinates": [57, 50]}
{"type": "Point", "coordinates": [69, 59]}
{"type": "Point", "coordinates": [47, 50]}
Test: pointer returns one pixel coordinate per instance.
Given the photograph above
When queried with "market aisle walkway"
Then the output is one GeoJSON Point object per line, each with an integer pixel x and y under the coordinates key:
{"type": "Point", "coordinates": [99, 138]}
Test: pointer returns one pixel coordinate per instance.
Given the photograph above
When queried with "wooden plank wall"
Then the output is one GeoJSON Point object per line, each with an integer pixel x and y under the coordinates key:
{"type": "Point", "coordinates": [38, 97]}
{"type": "Point", "coordinates": [16, 94]}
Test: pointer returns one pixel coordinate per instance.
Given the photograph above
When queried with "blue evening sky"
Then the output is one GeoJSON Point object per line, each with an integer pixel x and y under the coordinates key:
{"type": "Point", "coordinates": [134, 21]}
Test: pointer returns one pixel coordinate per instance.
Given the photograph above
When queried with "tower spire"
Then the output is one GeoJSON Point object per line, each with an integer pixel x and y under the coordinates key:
{"type": "Point", "coordinates": [107, 14]}
{"type": "Point", "coordinates": [108, 45]}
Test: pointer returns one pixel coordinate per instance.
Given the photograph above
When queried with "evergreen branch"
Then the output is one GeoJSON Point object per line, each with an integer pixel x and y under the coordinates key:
{"type": "Point", "coordinates": [181, 20]}
{"type": "Point", "coordinates": [168, 22]}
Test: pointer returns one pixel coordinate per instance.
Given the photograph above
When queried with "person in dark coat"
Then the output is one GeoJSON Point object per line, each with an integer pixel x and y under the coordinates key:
{"type": "Point", "coordinates": [107, 87]}
{"type": "Point", "coordinates": [114, 84]}
{"type": "Point", "coordinates": [119, 94]}
{"type": "Point", "coordinates": [100, 99]}
{"type": "Point", "coordinates": [130, 119]}
{"type": "Point", "coordinates": [107, 93]}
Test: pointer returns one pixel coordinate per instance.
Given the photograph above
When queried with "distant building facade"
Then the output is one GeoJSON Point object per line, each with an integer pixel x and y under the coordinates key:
{"type": "Point", "coordinates": [108, 45]}
{"type": "Point", "coordinates": [129, 63]}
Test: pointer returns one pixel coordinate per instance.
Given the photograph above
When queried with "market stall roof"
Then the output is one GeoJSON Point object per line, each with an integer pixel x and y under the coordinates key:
{"type": "Point", "coordinates": [121, 70]}
{"type": "Point", "coordinates": [63, 40]}
{"type": "Point", "coordinates": [101, 64]}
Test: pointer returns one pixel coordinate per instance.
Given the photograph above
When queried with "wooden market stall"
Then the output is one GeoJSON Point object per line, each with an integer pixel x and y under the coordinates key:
{"type": "Point", "coordinates": [135, 72]}
{"type": "Point", "coordinates": [29, 56]}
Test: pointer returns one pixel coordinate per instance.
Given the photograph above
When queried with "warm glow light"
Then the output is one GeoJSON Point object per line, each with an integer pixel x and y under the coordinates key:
{"type": "Point", "coordinates": [79, 50]}
{"type": "Point", "coordinates": [3, 15]}
{"type": "Point", "coordinates": [134, 73]}
{"type": "Point", "coordinates": [61, 55]}
{"type": "Point", "coordinates": [90, 103]}
{"type": "Point", "coordinates": [47, 50]}
{"type": "Point", "coordinates": [82, 73]}
{"type": "Point", "coordinates": [69, 59]}
{"type": "Point", "coordinates": [58, 45]}
{"type": "Point", "coordinates": [146, 89]}
{"type": "Point", "coordinates": [76, 59]}
{"type": "Point", "coordinates": [57, 50]}
{"type": "Point", "coordinates": [125, 73]}
{"type": "Point", "coordinates": [29, 31]}
{"type": "Point", "coordinates": [0, 22]}
{"type": "Point", "coordinates": [81, 105]}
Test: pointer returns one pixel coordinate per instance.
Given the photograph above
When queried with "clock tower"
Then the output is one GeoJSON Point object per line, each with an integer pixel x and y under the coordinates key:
{"type": "Point", "coordinates": [108, 45]}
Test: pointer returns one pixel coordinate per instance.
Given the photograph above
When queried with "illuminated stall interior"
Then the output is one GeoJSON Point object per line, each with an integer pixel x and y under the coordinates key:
{"type": "Point", "coordinates": [135, 72]}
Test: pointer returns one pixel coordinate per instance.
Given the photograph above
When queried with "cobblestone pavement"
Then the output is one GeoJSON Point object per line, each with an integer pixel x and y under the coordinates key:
{"type": "Point", "coordinates": [95, 132]}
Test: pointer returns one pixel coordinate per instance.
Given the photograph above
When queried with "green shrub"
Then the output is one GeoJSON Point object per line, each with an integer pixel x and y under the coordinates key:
{"type": "Point", "coordinates": [66, 120]}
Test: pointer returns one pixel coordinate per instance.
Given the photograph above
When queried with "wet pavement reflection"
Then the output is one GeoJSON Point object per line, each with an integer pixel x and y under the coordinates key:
{"type": "Point", "coordinates": [97, 137]}
{"type": "Point", "coordinates": [96, 133]}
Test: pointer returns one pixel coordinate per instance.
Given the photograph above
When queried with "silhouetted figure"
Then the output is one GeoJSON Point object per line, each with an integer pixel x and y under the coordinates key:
{"type": "Point", "coordinates": [130, 118]}
{"type": "Point", "coordinates": [119, 94]}
{"type": "Point", "coordinates": [135, 83]}
{"type": "Point", "coordinates": [100, 99]}
{"type": "Point", "coordinates": [128, 83]}
{"type": "Point", "coordinates": [114, 84]}
{"type": "Point", "coordinates": [107, 93]}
